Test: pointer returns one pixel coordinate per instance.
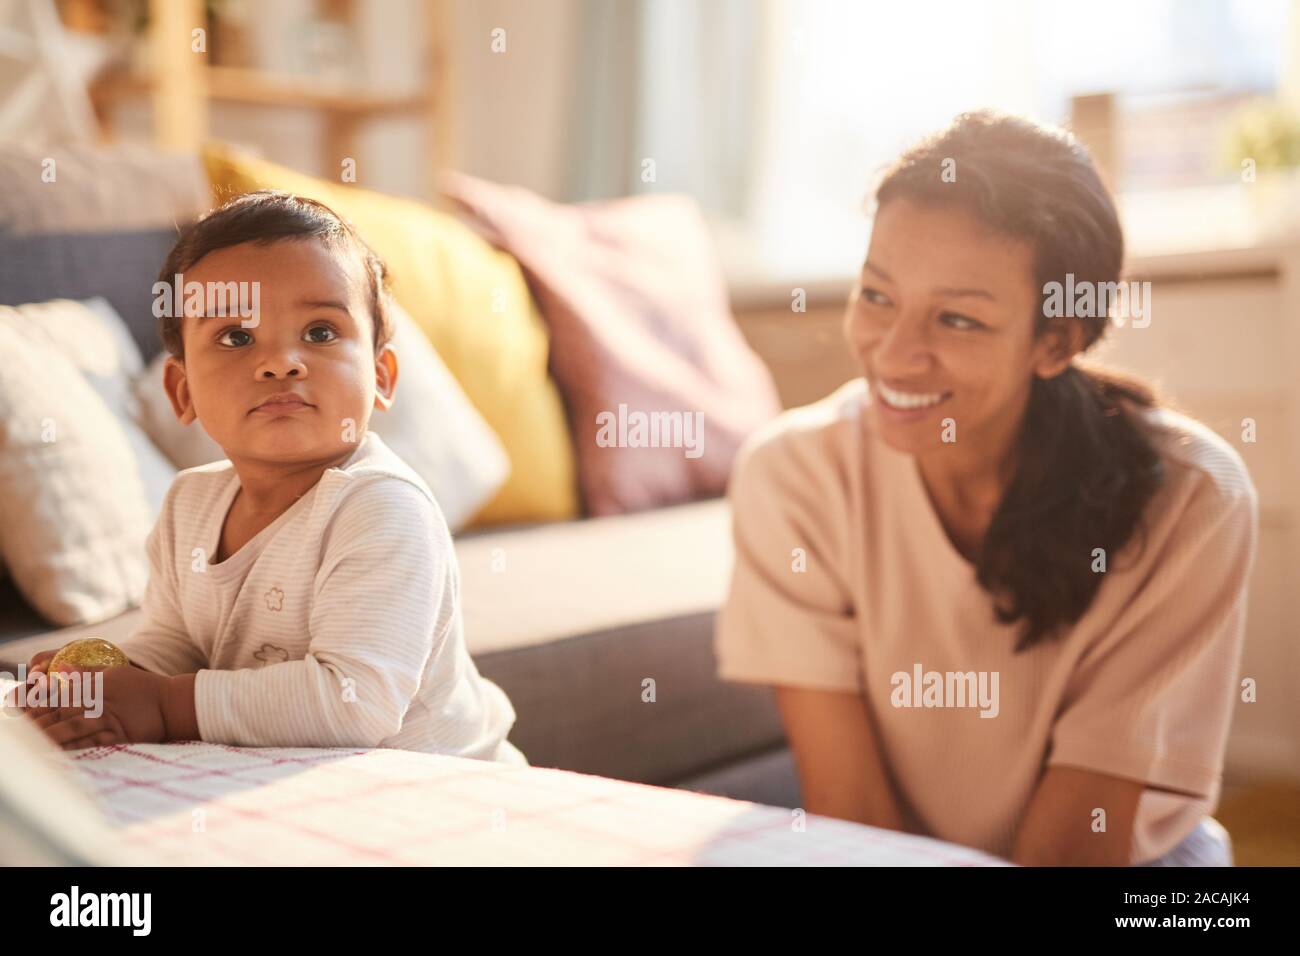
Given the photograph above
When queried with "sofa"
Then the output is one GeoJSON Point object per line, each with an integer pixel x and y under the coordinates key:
{"type": "Point", "coordinates": [571, 642]}
{"type": "Point", "coordinates": [580, 617]}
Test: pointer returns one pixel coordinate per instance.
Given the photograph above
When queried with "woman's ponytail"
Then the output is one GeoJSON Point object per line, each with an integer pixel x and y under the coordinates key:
{"type": "Point", "coordinates": [1087, 471]}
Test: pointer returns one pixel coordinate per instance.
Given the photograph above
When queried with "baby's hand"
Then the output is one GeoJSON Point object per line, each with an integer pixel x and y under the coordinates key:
{"type": "Point", "coordinates": [17, 694]}
{"type": "Point", "coordinates": [39, 662]}
{"type": "Point", "coordinates": [132, 712]}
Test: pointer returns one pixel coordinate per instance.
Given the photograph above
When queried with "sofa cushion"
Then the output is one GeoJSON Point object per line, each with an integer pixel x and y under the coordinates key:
{"type": "Point", "coordinates": [93, 337]}
{"type": "Point", "coordinates": [120, 267]}
{"type": "Point", "coordinates": [101, 227]}
{"type": "Point", "coordinates": [570, 619]}
{"type": "Point", "coordinates": [73, 510]}
{"type": "Point", "coordinates": [23, 632]}
{"type": "Point", "coordinates": [645, 350]}
{"type": "Point", "coordinates": [533, 584]}
{"type": "Point", "coordinates": [769, 777]}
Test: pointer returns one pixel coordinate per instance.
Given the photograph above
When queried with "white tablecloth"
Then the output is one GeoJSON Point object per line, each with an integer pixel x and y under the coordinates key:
{"type": "Point", "coordinates": [200, 803]}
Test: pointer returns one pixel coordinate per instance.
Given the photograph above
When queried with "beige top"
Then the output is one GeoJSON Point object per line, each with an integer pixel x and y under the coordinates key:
{"type": "Point", "coordinates": [846, 580]}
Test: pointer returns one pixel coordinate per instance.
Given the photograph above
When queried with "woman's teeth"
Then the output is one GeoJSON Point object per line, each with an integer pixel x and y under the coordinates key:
{"type": "Point", "coordinates": [909, 400]}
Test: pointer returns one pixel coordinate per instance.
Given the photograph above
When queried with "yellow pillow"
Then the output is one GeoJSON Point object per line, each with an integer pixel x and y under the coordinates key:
{"type": "Point", "coordinates": [472, 302]}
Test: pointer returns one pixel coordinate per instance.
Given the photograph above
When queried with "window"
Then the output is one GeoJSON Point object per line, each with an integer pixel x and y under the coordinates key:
{"type": "Point", "coordinates": [840, 88]}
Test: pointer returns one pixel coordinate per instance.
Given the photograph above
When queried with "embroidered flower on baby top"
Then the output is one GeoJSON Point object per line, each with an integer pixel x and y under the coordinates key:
{"type": "Point", "coordinates": [270, 654]}
{"type": "Point", "coordinates": [275, 599]}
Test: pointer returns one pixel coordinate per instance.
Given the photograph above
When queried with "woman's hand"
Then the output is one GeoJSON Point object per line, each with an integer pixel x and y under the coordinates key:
{"type": "Point", "coordinates": [130, 710]}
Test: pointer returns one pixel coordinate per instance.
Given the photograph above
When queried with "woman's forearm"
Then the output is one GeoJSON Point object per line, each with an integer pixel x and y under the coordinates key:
{"type": "Point", "coordinates": [842, 771]}
{"type": "Point", "coordinates": [870, 798]}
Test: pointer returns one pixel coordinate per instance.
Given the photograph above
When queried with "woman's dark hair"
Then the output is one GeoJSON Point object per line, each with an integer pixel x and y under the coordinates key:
{"type": "Point", "coordinates": [263, 217]}
{"type": "Point", "coordinates": [1087, 466]}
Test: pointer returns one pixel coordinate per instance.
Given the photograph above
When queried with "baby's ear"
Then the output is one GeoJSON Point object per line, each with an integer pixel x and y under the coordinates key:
{"type": "Point", "coordinates": [178, 391]}
{"type": "Point", "coordinates": [385, 378]}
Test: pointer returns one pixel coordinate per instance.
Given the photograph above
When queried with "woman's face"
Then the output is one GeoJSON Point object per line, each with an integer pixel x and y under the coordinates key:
{"type": "Point", "coordinates": [942, 322]}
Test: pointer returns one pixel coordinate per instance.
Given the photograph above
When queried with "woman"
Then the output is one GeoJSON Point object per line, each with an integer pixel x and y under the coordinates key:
{"type": "Point", "coordinates": [1001, 597]}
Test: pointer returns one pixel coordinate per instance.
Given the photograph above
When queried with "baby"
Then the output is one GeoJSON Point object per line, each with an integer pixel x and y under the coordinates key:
{"type": "Point", "coordinates": [303, 593]}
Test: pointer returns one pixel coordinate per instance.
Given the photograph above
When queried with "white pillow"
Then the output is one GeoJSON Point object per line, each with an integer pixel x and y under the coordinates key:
{"type": "Point", "coordinates": [432, 427]}
{"type": "Point", "coordinates": [73, 511]}
{"type": "Point", "coordinates": [96, 341]}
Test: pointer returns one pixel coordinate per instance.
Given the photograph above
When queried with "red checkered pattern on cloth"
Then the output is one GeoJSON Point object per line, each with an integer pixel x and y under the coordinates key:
{"type": "Point", "coordinates": [201, 803]}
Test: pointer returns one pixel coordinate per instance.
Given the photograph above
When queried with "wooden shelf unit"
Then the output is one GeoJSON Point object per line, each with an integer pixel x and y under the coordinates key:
{"type": "Point", "coordinates": [182, 87]}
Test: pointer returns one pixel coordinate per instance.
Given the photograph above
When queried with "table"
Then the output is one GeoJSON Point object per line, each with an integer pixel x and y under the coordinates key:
{"type": "Point", "coordinates": [208, 804]}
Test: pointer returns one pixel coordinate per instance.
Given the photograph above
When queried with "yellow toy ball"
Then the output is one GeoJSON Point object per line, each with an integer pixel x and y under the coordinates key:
{"type": "Point", "coordinates": [88, 654]}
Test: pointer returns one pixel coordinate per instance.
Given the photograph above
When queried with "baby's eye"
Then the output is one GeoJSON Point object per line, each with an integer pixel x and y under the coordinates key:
{"type": "Point", "coordinates": [330, 334]}
{"type": "Point", "coordinates": [233, 331]}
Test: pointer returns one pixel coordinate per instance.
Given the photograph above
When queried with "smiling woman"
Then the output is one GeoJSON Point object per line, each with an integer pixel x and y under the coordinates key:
{"type": "Point", "coordinates": [982, 504]}
{"type": "Point", "coordinates": [971, 215]}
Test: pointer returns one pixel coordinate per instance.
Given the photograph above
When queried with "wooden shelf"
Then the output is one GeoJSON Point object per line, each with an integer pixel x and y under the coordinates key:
{"type": "Point", "coordinates": [256, 88]}
{"type": "Point", "coordinates": [181, 87]}
{"type": "Point", "coordinates": [253, 87]}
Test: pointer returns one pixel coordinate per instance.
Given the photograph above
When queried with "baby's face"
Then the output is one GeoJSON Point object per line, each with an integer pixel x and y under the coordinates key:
{"type": "Point", "coordinates": [312, 337]}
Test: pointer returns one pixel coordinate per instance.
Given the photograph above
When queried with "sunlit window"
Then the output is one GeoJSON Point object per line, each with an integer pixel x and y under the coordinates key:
{"type": "Point", "coordinates": [844, 86]}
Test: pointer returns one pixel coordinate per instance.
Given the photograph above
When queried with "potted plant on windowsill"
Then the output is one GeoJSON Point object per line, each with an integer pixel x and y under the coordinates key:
{"type": "Point", "coordinates": [1263, 147]}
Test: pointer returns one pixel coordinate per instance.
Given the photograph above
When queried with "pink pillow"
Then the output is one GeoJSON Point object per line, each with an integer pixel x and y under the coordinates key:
{"type": "Point", "coordinates": [660, 385]}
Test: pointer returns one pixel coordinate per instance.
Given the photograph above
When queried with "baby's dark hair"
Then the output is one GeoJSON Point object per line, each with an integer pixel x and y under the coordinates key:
{"type": "Point", "coordinates": [263, 217]}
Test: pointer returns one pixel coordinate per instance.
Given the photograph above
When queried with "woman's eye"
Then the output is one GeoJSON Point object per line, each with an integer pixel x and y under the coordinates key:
{"type": "Point", "coordinates": [874, 296]}
{"type": "Point", "coordinates": [328, 337]}
{"type": "Point", "coordinates": [236, 344]}
{"type": "Point", "coordinates": [957, 321]}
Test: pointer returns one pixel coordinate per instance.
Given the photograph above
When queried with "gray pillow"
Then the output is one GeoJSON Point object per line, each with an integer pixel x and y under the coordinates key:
{"type": "Point", "coordinates": [85, 221]}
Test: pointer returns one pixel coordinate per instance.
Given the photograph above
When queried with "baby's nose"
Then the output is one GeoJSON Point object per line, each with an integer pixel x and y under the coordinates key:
{"type": "Point", "coordinates": [282, 368]}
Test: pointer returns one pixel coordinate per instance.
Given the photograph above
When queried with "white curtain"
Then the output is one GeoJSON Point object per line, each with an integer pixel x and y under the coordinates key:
{"type": "Point", "coordinates": [667, 89]}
